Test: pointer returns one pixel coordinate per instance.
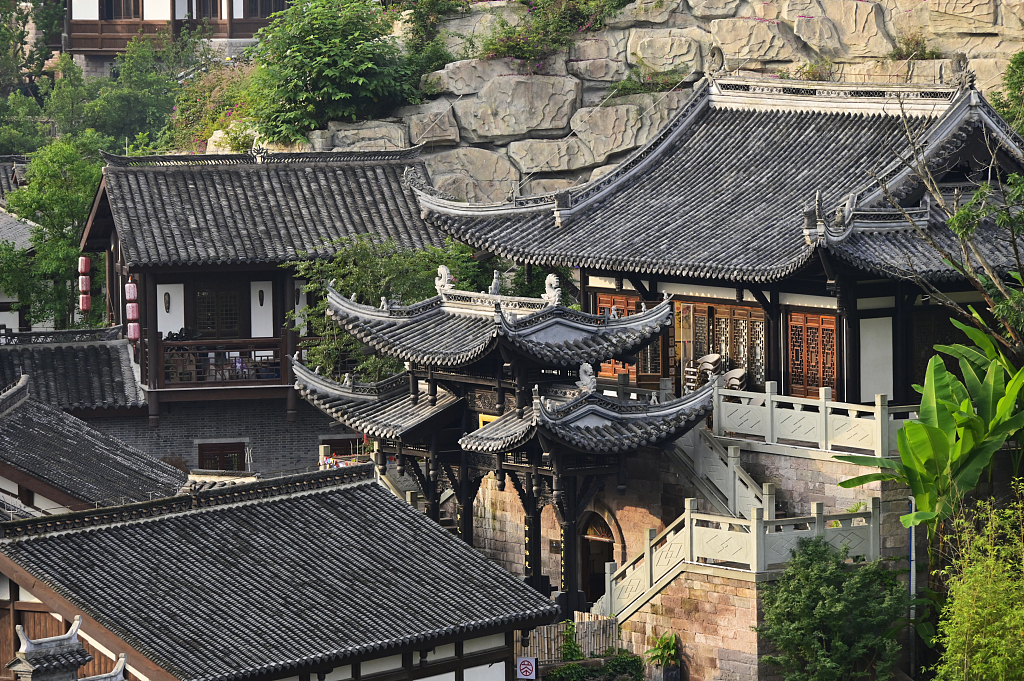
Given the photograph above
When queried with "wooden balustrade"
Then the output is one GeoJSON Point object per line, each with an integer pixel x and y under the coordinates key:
{"type": "Point", "coordinates": [255, 361]}
{"type": "Point", "coordinates": [756, 544]}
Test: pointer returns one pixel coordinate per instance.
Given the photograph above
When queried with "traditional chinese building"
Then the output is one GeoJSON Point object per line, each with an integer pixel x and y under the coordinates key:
{"type": "Point", "coordinates": [491, 387]}
{"type": "Point", "coordinates": [763, 209]}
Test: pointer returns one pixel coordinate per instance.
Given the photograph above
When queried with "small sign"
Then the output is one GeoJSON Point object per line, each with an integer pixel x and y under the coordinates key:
{"type": "Point", "coordinates": [526, 667]}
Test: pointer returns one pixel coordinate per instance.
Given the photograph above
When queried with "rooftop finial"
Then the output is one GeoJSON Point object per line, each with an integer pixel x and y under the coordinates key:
{"type": "Point", "coordinates": [495, 284]}
{"type": "Point", "coordinates": [552, 293]}
{"type": "Point", "coordinates": [443, 280]}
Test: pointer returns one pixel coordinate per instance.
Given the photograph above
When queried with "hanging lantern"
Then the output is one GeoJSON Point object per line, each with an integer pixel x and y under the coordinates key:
{"type": "Point", "coordinates": [84, 283]}
{"type": "Point", "coordinates": [83, 264]}
{"type": "Point", "coordinates": [131, 310]}
{"type": "Point", "coordinates": [131, 291]}
{"type": "Point", "coordinates": [134, 331]}
{"type": "Point", "coordinates": [84, 302]}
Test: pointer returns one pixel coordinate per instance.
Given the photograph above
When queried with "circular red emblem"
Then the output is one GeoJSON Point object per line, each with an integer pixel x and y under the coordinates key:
{"type": "Point", "coordinates": [525, 669]}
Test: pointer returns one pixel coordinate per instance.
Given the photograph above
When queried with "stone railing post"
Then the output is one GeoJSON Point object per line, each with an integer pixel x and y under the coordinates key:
{"type": "Point", "coordinates": [882, 425]}
{"type": "Point", "coordinates": [875, 531]}
{"type": "Point", "coordinates": [818, 511]}
{"type": "Point", "coordinates": [825, 396]}
{"type": "Point", "coordinates": [649, 536]}
{"type": "Point", "coordinates": [622, 387]}
{"type": "Point", "coordinates": [716, 414]}
{"type": "Point", "coordinates": [666, 390]}
{"type": "Point", "coordinates": [771, 389]}
{"type": "Point", "coordinates": [757, 563]}
{"type": "Point", "coordinates": [768, 502]}
{"type": "Point", "coordinates": [609, 589]}
{"type": "Point", "coordinates": [733, 481]}
{"type": "Point", "coordinates": [689, 508]}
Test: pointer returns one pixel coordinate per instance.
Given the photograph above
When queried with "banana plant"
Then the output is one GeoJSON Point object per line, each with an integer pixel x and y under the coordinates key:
{"type": "Point", "coordinates": [958, 430]}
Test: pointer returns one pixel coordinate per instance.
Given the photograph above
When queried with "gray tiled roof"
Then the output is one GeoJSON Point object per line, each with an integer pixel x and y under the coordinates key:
{"type": "Point", "coordinates": [195, 210]}
{"type": "Point", "coordinates": [275, 577]}
{"type": "Point", "coordinates": [592, 422]}
{"type": "Point", "coordinates": [383, 409]}
{"type": "Point", "coordinates": [7, 173]}
{"type": "Point", "coordinates": [723, 200]}
{"type": "Point", "coordinates": [82, 375]}
{"type": "Point", "coordinates": [458, 327]}
{"type": "Point", "coordinates": [14, 230]}
{"type": "Point", "coordinates": [64, 452]}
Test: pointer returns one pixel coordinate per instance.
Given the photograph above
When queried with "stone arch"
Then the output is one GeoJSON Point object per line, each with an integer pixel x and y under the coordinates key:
{"type": "Point", "coordinates": [600, 508]}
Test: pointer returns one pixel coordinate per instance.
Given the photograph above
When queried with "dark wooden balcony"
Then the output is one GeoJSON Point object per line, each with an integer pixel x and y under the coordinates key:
{"type": "Point", "coordinates": [109, 37]}
{"type": "Point", "coordinates": [205, 363]}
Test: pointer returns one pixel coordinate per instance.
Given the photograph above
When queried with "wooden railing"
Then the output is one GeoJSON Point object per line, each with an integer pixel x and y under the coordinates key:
{"type": "Point", "coordinates": [110, 36]}
{"type": "Point", "coordinates": [253, 361]}
{"type": "Point", "coordinates": [821, 424]}
{"type": "Point", "coordinates": [753, 545]}
{"type": "Point", "coordinates": [595, 634]}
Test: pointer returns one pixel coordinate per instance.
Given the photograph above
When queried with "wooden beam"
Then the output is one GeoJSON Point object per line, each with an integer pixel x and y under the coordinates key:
{"type": "Point", "coordinates": [639, 286]}
{"type": "Point", "coordinates": [91, 627]}
{"type": "Point", "coordinates": [26, 480]}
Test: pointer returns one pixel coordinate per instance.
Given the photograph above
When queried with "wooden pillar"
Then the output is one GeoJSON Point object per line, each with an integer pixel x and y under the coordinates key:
{"type": "Point", "coordinates": [433, 508]}
{"type": "Point", "coordinates": [289, 345]}
{"type": "Point", "coordinates": [776, 343]}
{"type": "Point", "coordinates": [901, 343]}
{"type": "Point", "coordinates": [531, 528]}
{"type": "Point", "coordinates": [113, 308]}
{"type": "Point", "coordinates": [230, 19]}
{"type": "Point", "coordinates": [851, 343]}
{"type": "Point", "coordinates": [467, 495]}
{"type": "Point", "coordinates": [154, 353]}
{"type": "Point", "coordinates": [569, 583]}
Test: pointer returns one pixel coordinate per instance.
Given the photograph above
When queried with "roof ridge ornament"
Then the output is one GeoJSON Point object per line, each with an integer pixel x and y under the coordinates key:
{"type": "Point", "coordinates": [443, 280]}
{"type": "Point", "coordinates": [552, 293]}
{"type": "Point", "coordinates": [70, 638]}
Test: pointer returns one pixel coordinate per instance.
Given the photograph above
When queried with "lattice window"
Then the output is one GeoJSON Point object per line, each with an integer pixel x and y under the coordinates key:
{"type": "Point", "coordinates": [756, 360]}
{"type": "Point", "coordinates": [650, 359]}
{"type": "Point", "coordinates": [722, 338]}
{"type": "Point", "coordinates": [812, 354]}
{"type": "Point", "coordinates": [261, 9]}
{"type": "Point", "coordinates": [218, 313]}
{"type": "Point", "coordinates": [740, 348]}
{"type": "Point", "coordinates": [700, 335]}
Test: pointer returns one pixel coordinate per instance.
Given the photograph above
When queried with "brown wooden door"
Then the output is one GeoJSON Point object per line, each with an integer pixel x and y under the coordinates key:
{"type": "Point", "coordinates": [222, 456]}
{"type": "Point", "coordinates": [812, 354]}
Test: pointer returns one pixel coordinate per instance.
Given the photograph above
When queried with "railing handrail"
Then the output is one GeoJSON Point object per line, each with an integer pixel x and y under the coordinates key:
{"type": "Point", "coordinates": [221, 343]}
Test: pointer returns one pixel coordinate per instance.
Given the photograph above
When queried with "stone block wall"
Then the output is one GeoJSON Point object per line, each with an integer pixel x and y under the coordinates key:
{"type": "Point", "coordinates": [278, 445]}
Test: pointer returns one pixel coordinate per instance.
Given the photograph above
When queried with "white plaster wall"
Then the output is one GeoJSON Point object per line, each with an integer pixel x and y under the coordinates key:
{"type": "Point", "coordinates": [475, 645]}
{"type": "Point", "coordinates": [169, 321]}
{"type": "Point", "coordinates": [382, 664]}
{"type": "Point", "coordinates": [9, 486]}
{"type": "Point", "coordinates": [181, 8]}
{"type": "Point", "coordinates": [301, 304]}
{"type": "Point", "coordinates": [239, 7]}
{"type": "Point", "coordinates": [441, 652]}
{"type": "Point", "coordinates": [875, 358]}
{"type": "Point", "coordinates": [694, 291]}
{"type": "Point", "coordinates": [339, 673]}
{"type": "Point", "coordinates": [49, 506]}
{"type": "Point", "coordinates": [450, 676]}
{"type": "Point", "coordinates": [86, 10]}
{"type": "Point", "coordinates": [802, 300]}
{"type": "Point", "coordinates": [262, 315]}
{"type": "Point", "coordinates": [882, 303]}
{"type": "Point", "coordinates": [486, 672]}
{"type": "Point", "coordinates": [155, 10]}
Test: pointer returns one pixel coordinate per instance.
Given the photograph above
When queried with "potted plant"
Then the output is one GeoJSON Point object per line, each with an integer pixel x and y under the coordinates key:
{"type": "Point", "coordinates": [665, 656]}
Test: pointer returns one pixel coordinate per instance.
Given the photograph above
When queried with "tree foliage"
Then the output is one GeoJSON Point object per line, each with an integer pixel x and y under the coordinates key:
{"type": "Point", "coordinates": [62, 181]}
{"type": "Point", "coordinates": [958, 430]}
{"type": "Point", "coordinates": [323, 60]}
{"type": "Point", "coordinates": [982, 626]}
{"type": "Point", "coordinates": [369, 269]}
{"type": "Point", "coordinates": [830, 620]}
{"type": "Point", "coordinates": [20, 61]}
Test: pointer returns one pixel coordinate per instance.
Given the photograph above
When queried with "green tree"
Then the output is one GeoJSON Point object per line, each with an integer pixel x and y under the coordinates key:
{"type": "Point", "coordinates": [368, 269]}
{"type": "Point", "coordinates": [945, 451]}
{"type": "Point", "coordinates": [322, 60]}
{"type": "Point", "coordinates": [982, 626]}
{"type": "Point", "coordinates": [62, 181]}
{"type": "Point", "coordinates": [20, 62]}
{"type": "Point", "coordinates": [21, 127]}
{"type": "Point", "coordinates": [66, 99]}
{"type": "Point", "coordinates": [1009, 101]}
{"type": "Point", "coordinates": [141, 98]}
{"type": "Point", "coordinates": [830, 620]}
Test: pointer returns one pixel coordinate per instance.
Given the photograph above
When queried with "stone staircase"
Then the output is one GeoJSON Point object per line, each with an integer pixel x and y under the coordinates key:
{"type": "Point", "coordinates": [716, 473]}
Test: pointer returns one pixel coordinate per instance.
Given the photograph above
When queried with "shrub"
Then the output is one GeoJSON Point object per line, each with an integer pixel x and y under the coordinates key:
{"type": "Point", "coordinates": [208, 102]}
{"type": "Point", "coordinates": [325, 60]}
{"type": "Point", "coordinates": [911, 46]}
{"type": "Point", "coordinates": [823, 69]}
{"type": "Point", "coordinates": [665, 652]}
{"type": "Point", "coordinates": [643, 80]}
{"type": "Point", "coordinates": [624, 663]}
{"type": "Point", "coordinates": [549, 26]}
{"type": "Point", "coordinates": [830, 620]}
{"type": "Point", "coordinates": [569, 648]}
{"type": "Point", "coordinates": [982, 625]}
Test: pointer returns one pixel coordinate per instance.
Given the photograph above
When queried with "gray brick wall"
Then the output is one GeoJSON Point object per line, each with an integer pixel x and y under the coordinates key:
{"type": "Point", "coordinates": [278, 444]}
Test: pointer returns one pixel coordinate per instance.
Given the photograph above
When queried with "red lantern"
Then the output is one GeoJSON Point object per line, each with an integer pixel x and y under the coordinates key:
{"type": "Point", "coordinates": [131, 310]}
{"type": "Point", "coordinates": [83, 265]}
{"type": "Point", "coordinates": [84, 302]}
{"type": "Point", "coordinates": [134, 331]}
{"type": "Point", "coordinates": [131, 292]}
{"type": "Point", "coordinates": [84, 283]}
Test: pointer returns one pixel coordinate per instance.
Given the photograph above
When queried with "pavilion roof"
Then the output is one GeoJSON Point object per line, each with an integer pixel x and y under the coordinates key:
{"type": "Point", "coordinates": [743, 183]}
{"type": "Point", "coordinates": [459, 327]}
{"type": "Point", "coordinates": [240, 208]}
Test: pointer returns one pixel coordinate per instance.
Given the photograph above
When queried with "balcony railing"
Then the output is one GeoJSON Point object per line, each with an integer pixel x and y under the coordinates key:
{"type": "Point", "coordinates": [205, 362]}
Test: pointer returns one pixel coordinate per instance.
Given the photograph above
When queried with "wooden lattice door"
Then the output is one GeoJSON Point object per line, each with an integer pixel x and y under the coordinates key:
{"type": "Point", "coordinates": [624, 306]}
{"type": "Point", "coordinates": [812, 354]}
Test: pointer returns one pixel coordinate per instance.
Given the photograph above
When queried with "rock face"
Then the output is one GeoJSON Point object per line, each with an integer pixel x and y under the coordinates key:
{"type": "Point", "coordinates": [473, 175]}
{"type": "Point", "coordinates": [664, 49]}
{"type": "Point", "coordinates": [713, 9]}
{"type": "Point", "coordinates": [549, 156]}
{"type": "Point", "coordinates": [643, 11]}
{"type": "Point", "coordinates": [469, 76]}
{"type": "Point", "coordinates": [546, 185]}
{"type": "Point", "coordinates": [607, 130]}
{"type": "Point", "coordinates": [754, 39]}
{"type": "Point", "coordinates": [218, 143]}
{"type": "Point", "coordinates": [367, 136]}
{"type": "Point", "coordinates": [434, 129]}
{"type": "Point", "coordinates": [515, 106]}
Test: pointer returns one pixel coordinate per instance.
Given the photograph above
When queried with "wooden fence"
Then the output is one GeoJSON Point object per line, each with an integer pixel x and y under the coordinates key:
{"type": "Point", "coordinates": [595, 634]}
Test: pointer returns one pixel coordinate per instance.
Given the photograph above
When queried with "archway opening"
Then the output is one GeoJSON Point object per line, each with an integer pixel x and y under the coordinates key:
{"type": "Point", "coordinates": [596, 548]}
